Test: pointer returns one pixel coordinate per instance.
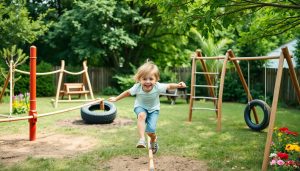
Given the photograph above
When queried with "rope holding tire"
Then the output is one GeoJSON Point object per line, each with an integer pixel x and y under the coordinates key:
{"type": "Point", "coordinates": [92, 114]}
{"type": "Point", "coordinates": [266, 115]}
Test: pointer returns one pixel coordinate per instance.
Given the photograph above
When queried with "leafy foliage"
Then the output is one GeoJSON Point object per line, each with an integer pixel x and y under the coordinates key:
{"type": "Point", "coordinates": [17, 57]}
{"type": "Point", "coordinates": [94, 30]}
{"type": "Point", "coordinates": [44, 84]}
{"type": "Point", "coordinates": [16, 27]}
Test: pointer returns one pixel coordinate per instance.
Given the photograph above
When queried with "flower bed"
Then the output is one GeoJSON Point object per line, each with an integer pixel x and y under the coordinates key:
{"type": "Point", "coordinates": [285, 150]}
{"type": "Point", "coordinates": [20, 103]}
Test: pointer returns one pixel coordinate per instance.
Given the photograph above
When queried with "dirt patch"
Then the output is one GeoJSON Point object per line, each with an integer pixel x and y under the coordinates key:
{"type": "Point", "coordinates": [14, 148]}
{"type": "Point", "coordinates": [162, 163]}
{"type": "Point", "coordinates": [78, 122]}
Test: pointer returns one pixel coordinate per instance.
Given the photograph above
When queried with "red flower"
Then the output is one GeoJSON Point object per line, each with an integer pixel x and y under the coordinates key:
{"type": "Point", "coordinates": [282, 155]}
{"type": "Point", "coordinates": [292, 133]}
{"type": "Point", "coordinates": [283, 129]}
{"type": "Point", "coordinates": [290, 162]}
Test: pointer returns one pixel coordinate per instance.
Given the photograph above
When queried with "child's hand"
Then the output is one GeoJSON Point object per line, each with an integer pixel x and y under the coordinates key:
{"type": "Point", "coordinates": [181, 85]}
{"type": "Point", "coordinates": [112, 99]}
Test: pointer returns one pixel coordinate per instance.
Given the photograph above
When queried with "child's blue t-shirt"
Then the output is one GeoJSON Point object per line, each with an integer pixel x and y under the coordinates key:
{"type": "Point", "coordinates": [148, 100]}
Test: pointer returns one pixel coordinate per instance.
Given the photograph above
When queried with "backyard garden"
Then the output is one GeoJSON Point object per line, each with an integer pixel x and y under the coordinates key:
{"type": "Point", "coordinates": [65, 142]}
{"type": "Point", "coordinates": [234, 104]}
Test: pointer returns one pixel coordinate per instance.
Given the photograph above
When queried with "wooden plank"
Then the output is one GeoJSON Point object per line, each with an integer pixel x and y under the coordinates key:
{"type": "Point", "coordinates": [150, 152]}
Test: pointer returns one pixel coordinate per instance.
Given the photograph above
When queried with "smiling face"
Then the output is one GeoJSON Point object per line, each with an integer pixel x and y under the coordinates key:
{"type": "Point", "coordinates": [148, 82]}
{"type": "Point", "coordinates": [147, 75]}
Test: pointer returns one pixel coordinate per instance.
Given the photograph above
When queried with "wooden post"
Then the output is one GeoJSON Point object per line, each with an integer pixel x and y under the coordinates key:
{"type": "Point", "coordinates": [61, 74]}
{"type": "Point", "coordinates": [221, 89]}
{"type": "Point", "coordinates": [273, 113]}
{"type": "Point", "coordinates": [151, 162]}
{"type": "Point", "coordinates": [102, 107]}
{"type": "Point", "coordinates": [4, 86]}
{"type": "Point", "coordinates": [32, 111]}
{"type": "Point", "coordinates": [293, 76]}
{"type": "Point", "coordinates": [11, 85]}
{"type": "Point", "coordinates": [193, 79]}
{"type": "Point", "coordinates": [88, 79]}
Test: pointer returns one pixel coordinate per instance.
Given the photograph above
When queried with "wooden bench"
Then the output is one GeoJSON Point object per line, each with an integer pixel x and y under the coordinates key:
{"type": "Point", "coordinates": [74, 89]}
{"type": "Point", "coordinates": [172, 95]}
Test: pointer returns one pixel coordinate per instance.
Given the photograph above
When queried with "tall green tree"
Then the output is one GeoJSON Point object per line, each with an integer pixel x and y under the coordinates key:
{"type": "Point", "coordinates": [270, 18]}
{"type": "Point", "coordinates": [16, 27]}
{"type": "Point", "coordinates": [94, 30]}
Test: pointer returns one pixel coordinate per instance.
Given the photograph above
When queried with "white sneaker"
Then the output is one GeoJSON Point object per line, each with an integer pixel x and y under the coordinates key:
{"type": "Point", "coordinates": [141, 144]}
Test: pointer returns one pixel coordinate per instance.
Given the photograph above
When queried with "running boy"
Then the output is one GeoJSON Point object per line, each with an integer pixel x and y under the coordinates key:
{"type": "Point", "coordinates": [147, 104]}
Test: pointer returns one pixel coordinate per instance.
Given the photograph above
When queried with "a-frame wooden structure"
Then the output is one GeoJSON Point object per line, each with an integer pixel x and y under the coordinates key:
{"type": "Point", "coordinates": [218, 105]}
{"type": "Point", "coordinates": [66, 88]}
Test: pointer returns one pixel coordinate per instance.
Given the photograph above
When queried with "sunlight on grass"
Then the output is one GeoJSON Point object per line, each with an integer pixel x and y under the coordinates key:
{"type": "Point", "coordinates": [236, 147]}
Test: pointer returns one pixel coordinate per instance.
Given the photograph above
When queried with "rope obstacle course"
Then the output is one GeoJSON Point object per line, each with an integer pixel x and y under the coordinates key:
{"type": "Point", "coordinates": [32, 114]}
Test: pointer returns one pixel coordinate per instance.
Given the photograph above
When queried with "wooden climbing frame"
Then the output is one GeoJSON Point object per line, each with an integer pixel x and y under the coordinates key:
{"type": "Point", "coordinates": [231, 57]}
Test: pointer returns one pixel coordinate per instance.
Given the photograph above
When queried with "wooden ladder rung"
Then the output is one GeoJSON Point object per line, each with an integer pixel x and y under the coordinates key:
{"type": "Point", "coordinates": [203, 108]}
{"type": "Point", "coordinates": [210, 73]}
{"type": "Point", "coordinates": [203, 97]}
{"type": "Point", "coordinates": [205, 86]}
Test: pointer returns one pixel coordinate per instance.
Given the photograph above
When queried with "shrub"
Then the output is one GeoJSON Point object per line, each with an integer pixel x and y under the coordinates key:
{"type": "Point", "coordinates": [44, 83]}
{"type": "Point", "coordinates": [110, 91]}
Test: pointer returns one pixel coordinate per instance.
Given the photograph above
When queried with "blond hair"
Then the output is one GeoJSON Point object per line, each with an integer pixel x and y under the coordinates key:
{"type": "Point", "coordinates": [145, 70]}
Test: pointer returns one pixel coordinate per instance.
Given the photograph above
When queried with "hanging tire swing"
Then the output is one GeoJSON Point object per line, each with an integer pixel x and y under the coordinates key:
{"type": "Point", "coordinates": [250, 120]}
{"type": "Point", "coordinates": [92, 114]}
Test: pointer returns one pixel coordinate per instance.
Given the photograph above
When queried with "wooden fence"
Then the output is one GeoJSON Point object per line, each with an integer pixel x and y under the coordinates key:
{"type": "Point", "coordinates": [287, 90]}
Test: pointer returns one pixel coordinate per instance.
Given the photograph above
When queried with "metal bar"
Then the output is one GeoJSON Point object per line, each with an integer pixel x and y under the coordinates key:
{"type": "Point", "coordinates": [205, 86]}
{"type": "Point", "coordinates": [253, 58]}
{"type": "Point", "coordinates": [203, 108]}
{"type": "Point", "coordinates": [210, 58]}
{"type": "Point", "coordinates": [203, 97]}
{"type": "Point", "coordinates": [211, 73]}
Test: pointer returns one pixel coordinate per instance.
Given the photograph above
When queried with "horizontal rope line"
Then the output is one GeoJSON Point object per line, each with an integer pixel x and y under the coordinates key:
{"type": "Point", "coordinates": [50, 113]}
{"type": "Point", "coordinates": [41, 73]}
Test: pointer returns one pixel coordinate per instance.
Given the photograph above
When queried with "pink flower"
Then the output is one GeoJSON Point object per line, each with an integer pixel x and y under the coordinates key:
{"type": "Point", "coordinates": [280, 162]}
{"type": "Point", "coordinates": [273, 162]}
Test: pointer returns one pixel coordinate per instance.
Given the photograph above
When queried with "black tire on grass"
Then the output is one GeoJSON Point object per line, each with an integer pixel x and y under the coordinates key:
{"type": "Point", "coordinates": [92, 114]}
{"type": "Point", "coordinates": [250, 121]}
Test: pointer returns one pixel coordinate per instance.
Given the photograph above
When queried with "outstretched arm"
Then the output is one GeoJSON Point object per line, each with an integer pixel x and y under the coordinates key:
{"type": "Point", "coordinates": [176, 85]}
{"type": "Point", "coordinates": [119, 97]}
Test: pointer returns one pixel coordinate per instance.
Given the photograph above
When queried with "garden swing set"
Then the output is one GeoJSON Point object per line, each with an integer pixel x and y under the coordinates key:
{"type": "Point", "coordinates": [216, 97]}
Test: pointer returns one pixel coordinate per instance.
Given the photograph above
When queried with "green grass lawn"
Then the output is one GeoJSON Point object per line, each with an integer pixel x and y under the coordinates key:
{"type": "Point", "coordinates": [235, 147]}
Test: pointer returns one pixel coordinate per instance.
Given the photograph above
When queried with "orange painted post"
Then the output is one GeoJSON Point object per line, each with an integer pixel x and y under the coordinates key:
{"type": "Point", "coordinates": [32, 110]}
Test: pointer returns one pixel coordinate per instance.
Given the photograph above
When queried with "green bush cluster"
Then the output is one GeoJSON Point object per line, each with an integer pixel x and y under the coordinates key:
{"type": "Point", "coordinates": [110, 91]}
{"type": "Point", "coordinates": [44, 83]}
